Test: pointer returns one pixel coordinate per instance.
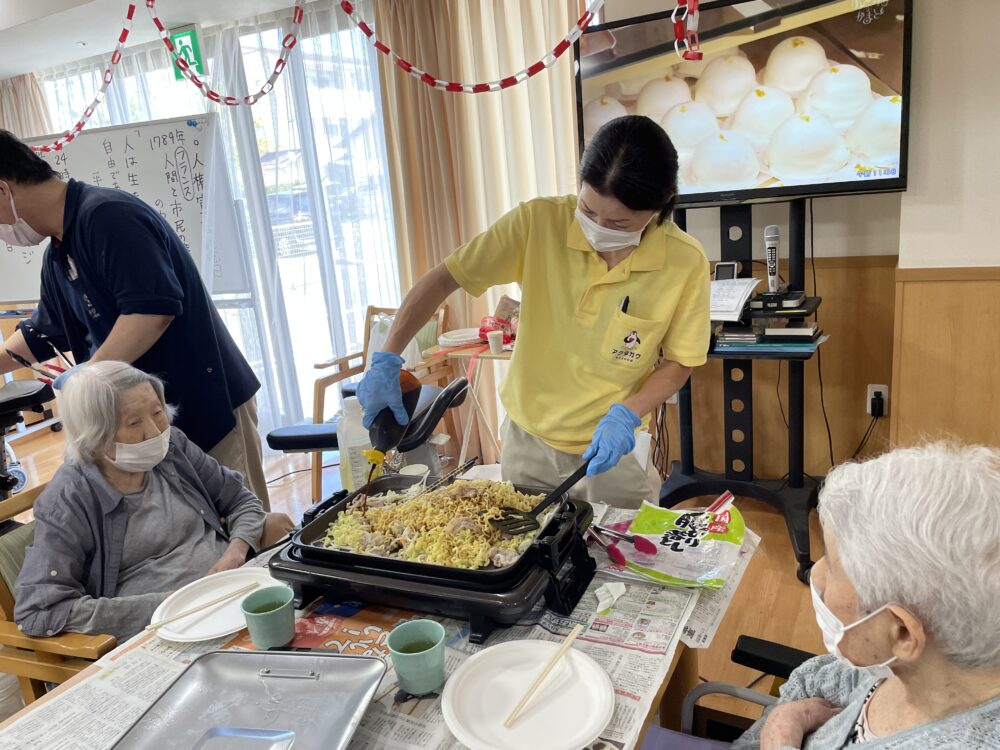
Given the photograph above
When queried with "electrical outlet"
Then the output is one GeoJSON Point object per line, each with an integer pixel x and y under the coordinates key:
{"type": "Point", "coordinates": [874, 388]}
{"type": "Point", "coordinates": [672, 399]}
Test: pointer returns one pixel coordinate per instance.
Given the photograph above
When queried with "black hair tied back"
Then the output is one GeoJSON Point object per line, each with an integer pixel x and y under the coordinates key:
{"type": "Point", "coordinates": [632, 159]}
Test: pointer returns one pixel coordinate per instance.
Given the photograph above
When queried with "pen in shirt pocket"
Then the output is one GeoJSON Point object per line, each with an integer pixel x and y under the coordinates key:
{"type": "Point", "coordinates": [624, 305]}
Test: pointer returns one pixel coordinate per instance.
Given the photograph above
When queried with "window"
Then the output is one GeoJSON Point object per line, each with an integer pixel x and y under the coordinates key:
{"type": "Point", "coordinates": [320, 238]}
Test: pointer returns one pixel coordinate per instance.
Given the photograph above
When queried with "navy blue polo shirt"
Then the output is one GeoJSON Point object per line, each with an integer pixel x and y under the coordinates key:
{"type": "Point", "coordinates": [118, 256]}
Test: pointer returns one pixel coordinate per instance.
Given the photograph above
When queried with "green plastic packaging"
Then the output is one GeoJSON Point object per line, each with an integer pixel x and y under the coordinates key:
{"type": "Point", "coordinates": [695, 548]}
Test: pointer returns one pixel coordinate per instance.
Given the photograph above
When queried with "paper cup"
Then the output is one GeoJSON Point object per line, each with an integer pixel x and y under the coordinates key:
{"type": "Point", "coordinates": [415, 470]}
{"type": "Point", "coordinates": [495, 338]}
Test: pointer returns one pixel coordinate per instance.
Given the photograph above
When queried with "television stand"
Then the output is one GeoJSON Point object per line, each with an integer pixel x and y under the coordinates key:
{"type": "Point", "coordinates": [794, 497]}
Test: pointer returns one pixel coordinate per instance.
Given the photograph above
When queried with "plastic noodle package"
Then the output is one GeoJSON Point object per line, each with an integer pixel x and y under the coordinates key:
{"type": "Point", "coordinates": [505, 318]}
{"type": "Point", "coordinates": [491, 323]}
{"type": "Point", "coordinates": [695, 548]}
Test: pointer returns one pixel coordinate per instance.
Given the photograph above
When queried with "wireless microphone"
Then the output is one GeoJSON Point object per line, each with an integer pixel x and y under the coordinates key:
{"type": "Point", "coordinates": [771, 238]}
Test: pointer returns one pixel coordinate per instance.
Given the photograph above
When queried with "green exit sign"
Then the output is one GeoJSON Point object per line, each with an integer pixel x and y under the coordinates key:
{"type": "Point", "coordinates": [186, 45]}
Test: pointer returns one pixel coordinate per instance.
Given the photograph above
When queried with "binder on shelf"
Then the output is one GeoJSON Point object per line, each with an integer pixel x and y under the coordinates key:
{"type": "Point", "coordinates": [792, 332]}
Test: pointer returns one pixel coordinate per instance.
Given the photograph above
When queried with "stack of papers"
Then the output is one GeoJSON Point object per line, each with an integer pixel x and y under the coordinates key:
{"type": "Point", "coordinates": [772, 347]}
{"type": "Point", "coordinates": [730, 297]}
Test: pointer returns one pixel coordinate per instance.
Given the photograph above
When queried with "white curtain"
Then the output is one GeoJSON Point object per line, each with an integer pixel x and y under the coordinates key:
{"type": "Point", "coordinates": [23, 110]}
{"type": "Point", "coordinates": [461, 161]}
{"type": "Point", "coordinates": [308, 172]}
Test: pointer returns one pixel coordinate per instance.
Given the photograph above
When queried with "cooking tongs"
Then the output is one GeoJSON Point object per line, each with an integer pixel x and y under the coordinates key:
{"type": "Point", "coordinates": [451, 476]}
{"type": "Point", "coordinates": [514, 521]}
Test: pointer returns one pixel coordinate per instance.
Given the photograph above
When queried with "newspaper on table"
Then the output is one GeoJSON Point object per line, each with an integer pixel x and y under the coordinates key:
{"type": "Point", "coordinates": [634, 641]}
{"type": "Point", "coordinates": [97, 711]}
{"type": "Point", "coordinates": [711, 605]}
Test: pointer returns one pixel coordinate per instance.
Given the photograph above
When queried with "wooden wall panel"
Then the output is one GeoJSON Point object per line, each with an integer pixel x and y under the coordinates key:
{"type": "Point", "coordinates": [857, 312]}
{"type": "Point", "coordinates": [946, 374]}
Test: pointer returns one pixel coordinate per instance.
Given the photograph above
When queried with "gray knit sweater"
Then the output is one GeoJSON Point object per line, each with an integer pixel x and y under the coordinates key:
{"type": "Point", "coordinates": [829, 678]}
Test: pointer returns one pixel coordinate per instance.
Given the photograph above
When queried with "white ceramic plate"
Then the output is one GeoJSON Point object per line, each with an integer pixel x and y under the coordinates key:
{"type": "Point", "coordinates": [222, 619]}
{"type": "Point", "coordinates": [569, 711]}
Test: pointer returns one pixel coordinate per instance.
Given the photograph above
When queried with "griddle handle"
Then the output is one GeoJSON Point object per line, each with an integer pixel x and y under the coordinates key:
{"type": "Point", "coordinates": [550, 547]}
{"type": "Point", "coordinates": [568, 586]}
{"type": "Point", "coordinates": [322, 507]}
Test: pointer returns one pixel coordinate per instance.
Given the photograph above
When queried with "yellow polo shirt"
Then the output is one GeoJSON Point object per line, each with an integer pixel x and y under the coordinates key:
{"type": "Point", "coordinates": [577, 352]}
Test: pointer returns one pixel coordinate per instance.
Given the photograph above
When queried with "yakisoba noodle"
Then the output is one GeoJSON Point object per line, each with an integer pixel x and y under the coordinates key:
{"type": "Point", "coordinates": [450, 526]}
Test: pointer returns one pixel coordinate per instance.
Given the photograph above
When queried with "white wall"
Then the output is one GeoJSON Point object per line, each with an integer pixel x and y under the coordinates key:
{"type": "Point", "coordinates": [845, 225]}
{"type": "Point", "coordinates": [615, 10]}
{"type": "Point", "coordinates": [950, 214]}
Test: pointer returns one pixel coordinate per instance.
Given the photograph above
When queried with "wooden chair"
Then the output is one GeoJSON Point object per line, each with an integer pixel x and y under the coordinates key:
{"type": "Point", "coordinates": [341, 369]}
{"type": "Point", "coordinates": [36, 661]}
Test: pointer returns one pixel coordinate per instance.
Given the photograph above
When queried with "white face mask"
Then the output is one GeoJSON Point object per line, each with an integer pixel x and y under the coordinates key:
{"type": "Point", "coordinates": [20, 233]}
{"type": "Point", "coordinates": [136, 457]}
{"type": "Point", "coordinates": [833, 632]}
{"type": "Point", "coordinates": [605, 240]}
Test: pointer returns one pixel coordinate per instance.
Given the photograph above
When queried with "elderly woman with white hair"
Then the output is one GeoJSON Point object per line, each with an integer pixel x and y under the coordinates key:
{"type": "Point", "coordinates": [136, 512]}
{"type": "Point", "coordinates": [908, 600]}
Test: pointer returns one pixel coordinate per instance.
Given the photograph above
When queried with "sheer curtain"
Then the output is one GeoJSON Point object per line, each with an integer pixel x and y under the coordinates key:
{"type": "Point", "coordinates": [23, 109]}
{"type": "Point", "coordinates": [308, 171]}
{"type": "Point", "coordinates": [460, 161]}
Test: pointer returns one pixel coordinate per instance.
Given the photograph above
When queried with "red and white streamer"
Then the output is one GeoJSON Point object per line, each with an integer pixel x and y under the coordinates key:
{"type": "Point", "coordinates": [685, 19]}
{"type": "Point", "coordinates": [290, 40]}
{"type": "Point", "coordinates": [287, 45]}
{"type": "Point", "coordinates": [547, 61]}
{"type": "Point", "coordinates": [109, 74]}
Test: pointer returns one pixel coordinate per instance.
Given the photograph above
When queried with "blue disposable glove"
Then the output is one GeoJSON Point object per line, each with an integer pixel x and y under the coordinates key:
{"type": "Point", "coordinates": [379, 389]}
{"type": "Point", "coordinates": [613, 439]}
{"type": "Point", "coordinates": [60, 381]}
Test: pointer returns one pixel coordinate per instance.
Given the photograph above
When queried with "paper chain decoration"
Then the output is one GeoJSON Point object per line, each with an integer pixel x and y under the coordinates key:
{"type": "Point", "coordinates": [290, 40]}
{"type": "Point", "coordinates": [549, 59]}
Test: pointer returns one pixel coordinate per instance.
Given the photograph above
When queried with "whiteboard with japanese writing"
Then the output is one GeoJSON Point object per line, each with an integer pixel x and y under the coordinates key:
{"type": "Point", "coordinates": [176, 166]}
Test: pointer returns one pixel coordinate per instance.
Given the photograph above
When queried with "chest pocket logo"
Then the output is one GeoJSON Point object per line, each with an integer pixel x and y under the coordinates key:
{"type": "Point", "coordinates": [632, 341]}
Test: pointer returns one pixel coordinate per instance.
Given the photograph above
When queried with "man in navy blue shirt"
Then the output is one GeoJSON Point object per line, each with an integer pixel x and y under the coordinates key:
{"type": "Point", "coordinates": [117, 283]}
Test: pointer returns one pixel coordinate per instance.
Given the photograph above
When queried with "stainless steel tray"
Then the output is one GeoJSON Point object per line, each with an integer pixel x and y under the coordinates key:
{"type": "Point", "coordinates": [260, 700]}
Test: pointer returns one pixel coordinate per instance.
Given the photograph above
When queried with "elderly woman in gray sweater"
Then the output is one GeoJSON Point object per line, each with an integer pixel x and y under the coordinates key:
{"type": "Point", "coordinates": [908, 600]}
{"type": "Point", "coordinates": [136, 512]}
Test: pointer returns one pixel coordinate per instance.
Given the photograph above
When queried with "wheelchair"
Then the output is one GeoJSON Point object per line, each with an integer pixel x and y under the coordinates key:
{"type": "Point", "coordinates": [763, 656]}
{"type": "Point", "coordinates": [15, 397]}
{"type": "Point", "coordinates": [413, 448]}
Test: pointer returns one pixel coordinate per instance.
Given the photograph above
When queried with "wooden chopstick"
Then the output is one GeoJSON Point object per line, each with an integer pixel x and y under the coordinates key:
{"type": "Point", "coordinates": [204, 605]}
{"type": "Point", "coordinates": [545, 672]}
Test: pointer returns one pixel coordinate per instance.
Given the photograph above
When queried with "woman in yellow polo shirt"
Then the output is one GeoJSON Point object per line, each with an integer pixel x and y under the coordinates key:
{"type": "Point", "coordinates": [614, 314]}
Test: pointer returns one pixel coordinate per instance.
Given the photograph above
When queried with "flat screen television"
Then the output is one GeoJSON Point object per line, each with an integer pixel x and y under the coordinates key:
{"type": "Point", "coordinates": [793, 98]}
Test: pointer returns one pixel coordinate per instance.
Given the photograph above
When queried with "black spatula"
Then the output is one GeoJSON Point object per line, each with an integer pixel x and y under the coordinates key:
{"type": "Point", "coordinates": [514, 521]}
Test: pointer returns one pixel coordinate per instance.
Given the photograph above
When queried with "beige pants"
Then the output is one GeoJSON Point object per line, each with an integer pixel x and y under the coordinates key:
{"type": "Point", "coordinates": [240, 450]}
{"type": "Point", "coordinates": [528, 460]}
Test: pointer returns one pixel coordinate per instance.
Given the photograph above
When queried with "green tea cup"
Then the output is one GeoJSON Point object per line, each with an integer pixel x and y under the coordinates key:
{"type": "Point", "coordinates": [270, 616]}
{"type": "Point", "coordinates": [417, 649]}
